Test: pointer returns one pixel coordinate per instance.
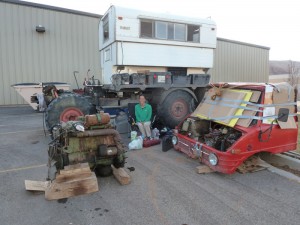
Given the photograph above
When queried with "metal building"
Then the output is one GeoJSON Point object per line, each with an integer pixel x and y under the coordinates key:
{"type": "Point", "coordinates": [70, 43]}
{"type": "Point", "coordinates": [238, 61]}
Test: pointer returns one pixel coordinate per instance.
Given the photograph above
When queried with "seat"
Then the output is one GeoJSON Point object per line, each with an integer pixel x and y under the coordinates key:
{"type": "Point", "coordinates": [131, 118]}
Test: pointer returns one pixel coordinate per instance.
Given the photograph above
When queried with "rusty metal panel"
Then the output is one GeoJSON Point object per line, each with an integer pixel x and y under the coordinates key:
{"type": "Point", "coordinates": [89, 144]}
{"type": "Point", "coordinates": [70, 43]}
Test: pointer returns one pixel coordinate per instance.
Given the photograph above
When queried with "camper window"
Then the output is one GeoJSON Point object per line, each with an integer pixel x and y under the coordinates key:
{"type": "Point", "coordinates": [146, 29]}
{"type": "Point", "coordinates": [193, 33]}
{"type": "Point", "coordinates": [161, 30]}
{"type": "Point", "coordinates": [171, 31]}
{"type": "Point", "coordinates": [179, 34]}
{"type": "Point", "coordinates": [105, 28]}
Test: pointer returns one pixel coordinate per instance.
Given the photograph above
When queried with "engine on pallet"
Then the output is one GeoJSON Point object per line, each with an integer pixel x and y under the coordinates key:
{"type": "Point", "coordinates": [213, 134]}
{"type": "Point", "coordinates": [91, 139]}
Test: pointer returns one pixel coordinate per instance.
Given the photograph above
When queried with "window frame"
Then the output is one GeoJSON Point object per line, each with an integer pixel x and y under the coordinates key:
{"type": "Point", "coordinates": [187, 34]}
{"type": "Point", "coordinates": [152, 28]}
{"type": "Point", "coordinates": [105, 25]}
{"type": "Point", "coordinates": [168, 36]}
{"type": "Point", "coordinates": [156, 30]}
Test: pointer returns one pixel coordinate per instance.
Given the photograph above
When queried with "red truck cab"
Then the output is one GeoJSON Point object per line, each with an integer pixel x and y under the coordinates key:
{"type": "Point", "coordinates": [236, 121]}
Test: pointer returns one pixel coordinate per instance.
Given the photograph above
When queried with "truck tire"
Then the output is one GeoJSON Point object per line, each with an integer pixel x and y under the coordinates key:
{"type": "Point", "coordinates": [66, 108]}
{"type": "Point", "coordinates": [175, 107]}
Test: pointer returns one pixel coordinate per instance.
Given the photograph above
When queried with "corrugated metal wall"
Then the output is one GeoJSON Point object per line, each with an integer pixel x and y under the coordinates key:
{"type": "Point", "coordinates": [236, 61]}
{"type": "Point", "coordinates": [69, 44]}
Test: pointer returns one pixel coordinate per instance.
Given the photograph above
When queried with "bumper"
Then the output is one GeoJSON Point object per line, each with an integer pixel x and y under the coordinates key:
{"type": "Point", "coordinates": [227, 161]}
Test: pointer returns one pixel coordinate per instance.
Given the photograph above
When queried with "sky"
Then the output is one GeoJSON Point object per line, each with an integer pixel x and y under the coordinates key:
{"type": "Point", "coordinates": [270, 23]}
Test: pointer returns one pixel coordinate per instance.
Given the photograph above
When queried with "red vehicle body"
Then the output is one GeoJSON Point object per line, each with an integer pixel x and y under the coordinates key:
{"type": "Point", "coordinates": [247, 141]}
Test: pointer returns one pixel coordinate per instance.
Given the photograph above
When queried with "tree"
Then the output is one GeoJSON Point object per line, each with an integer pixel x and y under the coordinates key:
{"type": "Point", "coordinates": [294, 73]}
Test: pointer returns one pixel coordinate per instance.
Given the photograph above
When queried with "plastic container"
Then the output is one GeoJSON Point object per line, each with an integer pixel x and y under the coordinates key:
{"type": "Point", "coordinates": [133, 135]}
{"type": "Point", "coordinates": [112, 121]}
{"type": "Point", "coordinates": [200, 79]}
{"type": "Point", "coordinates": [120, 79]}
{"type": "Point", "coordinates": [155, 133]}
{"type": "Point", "coordinates": [138, 79]}
{"type": "Point", "coordinates": [178, 79]}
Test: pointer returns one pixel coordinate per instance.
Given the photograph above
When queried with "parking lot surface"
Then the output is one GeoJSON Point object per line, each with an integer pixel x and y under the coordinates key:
{"type": "Point", "coordinates": [165, 188]}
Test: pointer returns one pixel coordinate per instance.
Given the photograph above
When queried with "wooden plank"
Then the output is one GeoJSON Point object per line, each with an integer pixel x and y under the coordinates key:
{"type": "Point", "coordinates": [74, 171]}
{"type": "Point", "coordinates": [75, 187]}
{"type": "Point", "coordinates": [32, 185]}
{"type": "Point", "coordinates": [76, 166]}
{"type": "Point", "coordinates": [71, 172]}
{"type": "Point", "coordinates": [121, 175]}
{"type": "Point", "coordinates": [67, 177]}
{"type": "Point", "coordinates": [204, 169]}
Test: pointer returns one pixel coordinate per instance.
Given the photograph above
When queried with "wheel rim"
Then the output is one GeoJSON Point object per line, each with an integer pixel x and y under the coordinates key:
{"type": "Point", "coordinates": [70, 114]}
{"type": "Point", "coordinates": [179, 109]}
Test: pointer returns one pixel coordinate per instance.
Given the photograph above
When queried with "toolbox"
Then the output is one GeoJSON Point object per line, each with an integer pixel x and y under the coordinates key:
{"type": "Point", "coordinates": [138, 79]}
{"type": "Point", "coordinates": [181, 79]}
{"type": "Point", "coordinates": [200, 79]}
{"type": "Point", "coordinates": [120, 79]}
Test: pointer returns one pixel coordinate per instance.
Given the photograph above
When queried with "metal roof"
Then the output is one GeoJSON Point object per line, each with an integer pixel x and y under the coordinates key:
{"type": "Point", "coordinates": [243, 43]}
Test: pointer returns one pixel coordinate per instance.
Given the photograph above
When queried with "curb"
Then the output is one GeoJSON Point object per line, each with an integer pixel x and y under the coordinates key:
{"type": "Point", "coordinates": [284, 173]}
{"type": "Point", "coordinates": [282, 160]}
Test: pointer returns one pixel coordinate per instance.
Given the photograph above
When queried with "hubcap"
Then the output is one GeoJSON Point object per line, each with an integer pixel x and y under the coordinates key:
{"type": "Point", "coordinates": [179, 109]}
{"type": "Point", "coordinates": [70, 114]}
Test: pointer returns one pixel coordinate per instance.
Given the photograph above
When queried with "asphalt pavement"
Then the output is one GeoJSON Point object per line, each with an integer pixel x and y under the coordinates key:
{"type": "Point", "coordinates": [165, 188]}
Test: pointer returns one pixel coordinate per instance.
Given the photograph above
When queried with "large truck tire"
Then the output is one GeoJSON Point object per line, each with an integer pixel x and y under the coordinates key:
{"type": "Point", "coordinates": [66, 108]}
{"type": "Point", "coordinates": [175, 107]}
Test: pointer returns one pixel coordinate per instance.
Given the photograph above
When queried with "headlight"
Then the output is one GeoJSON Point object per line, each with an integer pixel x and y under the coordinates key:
{"type": "Point", "coordinates": [174, 140]}
{"type": "Point", "coordinates": [213, 159]}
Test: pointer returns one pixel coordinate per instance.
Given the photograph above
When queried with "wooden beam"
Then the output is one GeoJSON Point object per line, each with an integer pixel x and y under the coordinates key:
{"type": "Point", "coordinates": [121, 175]}
{"type": "Point", "coordinates": [77, 168]}
{"type": "Point", "coordinates": [32, 185]}
{"type": "Point", "coordinates": [204, 169]}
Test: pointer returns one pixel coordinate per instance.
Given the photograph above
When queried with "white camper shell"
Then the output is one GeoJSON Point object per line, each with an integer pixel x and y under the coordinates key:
{"type": "Point", "coordinates": [132, 40]}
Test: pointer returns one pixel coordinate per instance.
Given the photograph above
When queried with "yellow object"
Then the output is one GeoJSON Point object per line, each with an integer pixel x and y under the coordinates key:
{"type": "Point", "coordinates": [239, 112]}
